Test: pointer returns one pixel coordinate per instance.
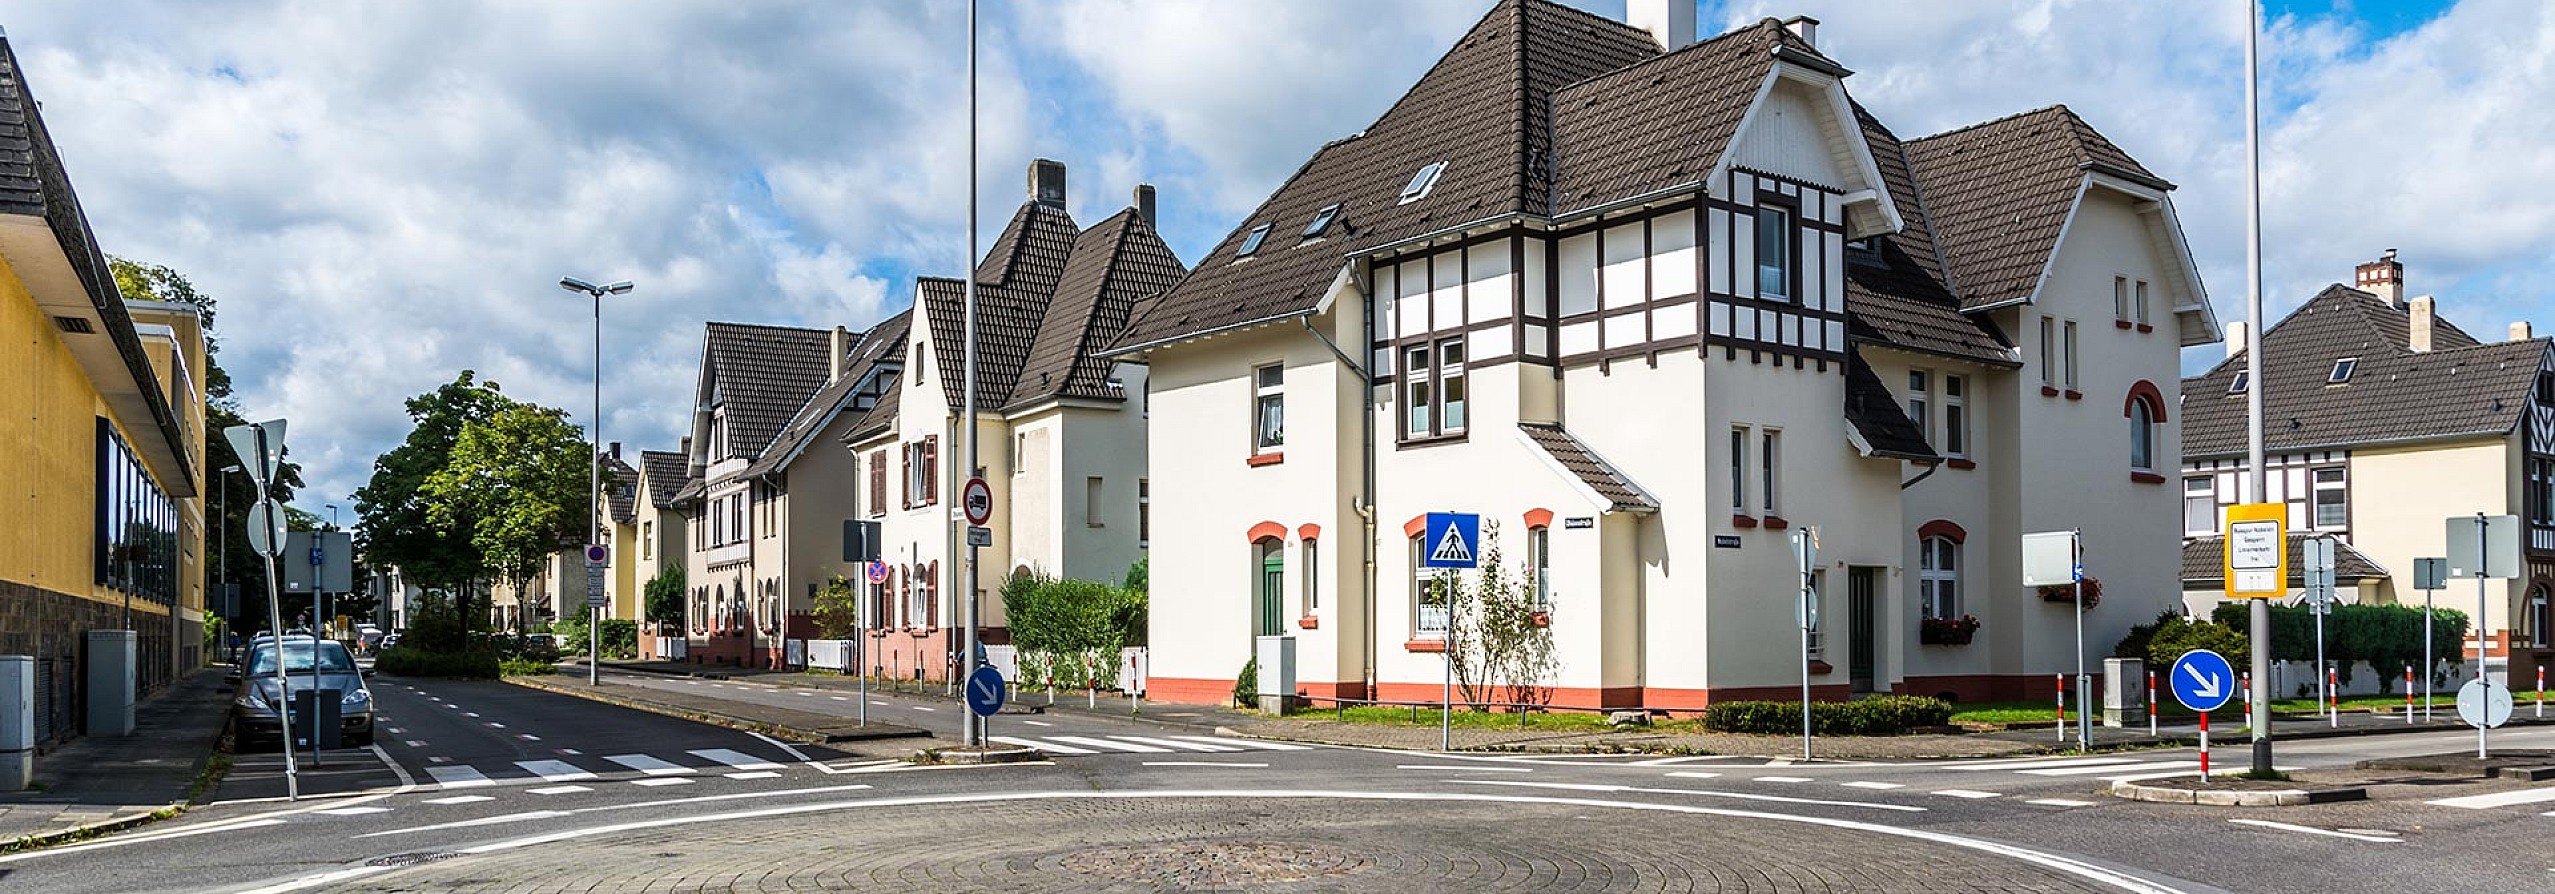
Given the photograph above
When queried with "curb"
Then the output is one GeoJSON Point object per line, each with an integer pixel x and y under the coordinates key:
{"type": "Point", "coordinates": [2233, 798]}
{"type": "Point", "coordinates": [43, 840]}
{"type": "Point", "coordinates": [1017, 706]}
{"type": "Point", "coordinates": [812, 737]}
{"type": "Point", "coordinates": [993, 756]}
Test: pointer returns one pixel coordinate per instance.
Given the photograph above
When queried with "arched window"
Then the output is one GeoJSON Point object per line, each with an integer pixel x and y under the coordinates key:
{"type": "Point", "coordinates": [2541, 626]}
{"type": "Point", "coordinates": [1939, 577]}
{"type": "Point", "coordinates": [1269, 575]}
{"type": "Point", "coordinates": [1539, 564]}
{"type": "Point", "coordinates": [2142, 434]}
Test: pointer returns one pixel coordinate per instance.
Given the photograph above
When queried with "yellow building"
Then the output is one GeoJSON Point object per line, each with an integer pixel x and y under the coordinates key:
{"type": "Point", "coordinates": [101, 438]}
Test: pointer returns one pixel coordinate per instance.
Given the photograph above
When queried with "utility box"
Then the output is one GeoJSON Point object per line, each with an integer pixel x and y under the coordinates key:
{"type": "Point", "coordinates": [17, 722]}
{"type": "Point", "coordinates": [2124, 691]}
{"type": "Point", "coordinates": [316, 710]}
{"type": "Point", "coordinates": [110, 667]}
{"type": "Point", "coordinates": [1276, 655]}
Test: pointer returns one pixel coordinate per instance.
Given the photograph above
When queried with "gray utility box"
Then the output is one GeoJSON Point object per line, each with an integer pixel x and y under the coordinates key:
{"type": "Point", "coordinates": [2124, 691]}
{"type": "Point", "coordinates": [110, 666]}
{"type": "Point", "coordinates": [1276, 656]}
{"type": "Point", "coordinates": [17, 722]}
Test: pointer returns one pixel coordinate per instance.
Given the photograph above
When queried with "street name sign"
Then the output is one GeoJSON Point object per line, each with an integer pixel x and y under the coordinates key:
{"type": "Point", "coordinates": [1451, 540]}
{"type": "Point", "coordinates": [2203, 680]}
{"type": "Point", "coordinates": [2484, 704]}
{"type": "Point", "coordinates": [985, 692]}
{"type": "Point", "coordinates": [2495, 542]}
{"type": "Point", "coordinates": [979, 535]}
{"type": "Point", "coordinates": [978, 499]}
{"type": "Point", "coordinates": [2257, 563]}
{"type": "Point", "coordinates": [2315, 555]}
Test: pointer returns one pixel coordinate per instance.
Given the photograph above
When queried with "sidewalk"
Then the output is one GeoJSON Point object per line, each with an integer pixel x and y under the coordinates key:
{"type": "Point", "coordinates": [804, 726]}
{"type": "Point", "coordinates": [98, 783]}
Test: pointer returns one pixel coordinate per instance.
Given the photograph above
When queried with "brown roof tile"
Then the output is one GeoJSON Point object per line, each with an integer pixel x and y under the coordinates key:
{"type": "Point", "coordinates": [665, 471]}
{"type": "Point", "coordinates": [1874, 411]}
{"type": "Point", "coordinates": [2204, 562]}
{"type": "Point", "coordinates": [1115, 265]}
{"type": "Point", "coordinates": [763, 374]}
{"type": "Point", "coordinates": [1591, 470]}
{"type": "Point", "coordinates": [2000, 193]}
{"type": "Point", "coordinates": [877, 353]}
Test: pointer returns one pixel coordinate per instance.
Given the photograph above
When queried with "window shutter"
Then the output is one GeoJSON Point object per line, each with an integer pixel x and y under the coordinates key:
{"type": "Point", "coordinates": [931, 464]}
{"type": "Point", "coordinates": [908, 469]}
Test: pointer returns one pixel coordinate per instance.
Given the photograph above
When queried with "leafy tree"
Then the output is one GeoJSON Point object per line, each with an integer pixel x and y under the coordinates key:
{"type": "Point", "coordinates": [1498, 647]}
{"type": "Point", "coordinates": [517, 483]}
{"type": "Point", "coordinates": [838, 608]}
{"type": "Point", "coordinates": [394, 526]}
{"type": "Point", "coordinates": [664, 592]}
{"type": "Point", "coordinates": [1138, 573]}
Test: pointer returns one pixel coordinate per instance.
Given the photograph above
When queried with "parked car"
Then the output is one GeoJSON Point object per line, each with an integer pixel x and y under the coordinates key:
{"type": "Point", "coordinates": [389, 640]}
{"type": "Point", "coordinates": [253, 716]}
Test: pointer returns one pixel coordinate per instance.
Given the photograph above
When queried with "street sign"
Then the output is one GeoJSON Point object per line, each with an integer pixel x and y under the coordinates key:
{"type": "Point", "coordinates": [978, 498]}
{"type": "Point", "coordinates": [596, 554]}
{"type": "Point", "coordinates": [2316, 555]}
{"type": "Point", "coordinates": [260, 464]}
{"type": "Point", "coordinates": [2495, 542]}
{"type": "Point", "coordinates": [2431, 573]}
{"type": "Point", "coordinates": [1805, 552]}
{"type": "Point", "coordinates": [594, 587]}
{"type": "Point", "coordinates": [2049, 559]}
{"type": "Point", "coordinates": [979, 535]}
{"type": "Point", "coordinates": [877, 572]}
{"type": "Point", "coordinates": [1451, 540]}
{"type": "Point", "coordinates": [2203, 680]}
{"type": "Point", "coordinates": [2257, 562]}
{"type": "Point", "coordinates": [266, 528]}
{"type": "Point", "coordinates": [2484, 704]}
{"type": "Point", "coordinates": [985, 691]}
{"type": "Point", "coordinates": [861, 541]}
{"type": "Point", "coordinates": [322, 562]}
{"type": "Point", "coordinates": [1805, 612]}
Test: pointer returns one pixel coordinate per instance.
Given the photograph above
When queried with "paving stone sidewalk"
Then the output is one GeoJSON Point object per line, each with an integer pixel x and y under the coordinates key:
{"type": "Point", "coordinates": [106, 782]}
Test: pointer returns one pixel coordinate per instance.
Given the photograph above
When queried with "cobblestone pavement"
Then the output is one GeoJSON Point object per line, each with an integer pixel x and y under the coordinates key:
{"type": "Point", "coordinates": [1240, 843]}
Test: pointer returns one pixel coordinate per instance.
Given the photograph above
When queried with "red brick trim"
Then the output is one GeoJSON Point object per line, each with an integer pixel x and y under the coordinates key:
{"type": "Point", "coordinates": [1821, 667]}
{"type": "Point", "coordinates": [1265, 459]}
{"type": "Point", "coordinates": [1743, 521]}
{"type": "Point", "coordinates": [2073, 394]}
{"type": "Point", "coordinates": [2147, 391]}
{"type": "Point", "coordinates": [2121, 324]}
{"type": "Point", "coordinates": [1309, 622]}
{"type": "Point", "coordinates": [1267, 530]}
{"type": "Point", "coordinates": [1962, 464]}
{"type": "Point", "coordinates": [1414, 527]}
{"type": "Point", "coordinates": [2146, 478]}
{"type": "Point", "coordinates": [1944, 528]}
{"type": "Point", "coordinates": [1539, 518]}
{"type": "Point", "coordinates": [2046, 391]}
{"type": "Point", "coordinates": [1308, 531]}
{"type": "Point", "coordinates": [2144, 328]}
{"type": "Point", "coordinates": [1776, 523]}
{"type": "Point", "coordinates": [1424, 645]}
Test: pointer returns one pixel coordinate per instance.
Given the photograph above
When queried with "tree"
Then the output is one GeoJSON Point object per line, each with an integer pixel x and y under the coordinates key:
{"type": "Point", "coordinates": [1499, 647]}
{"type": "Point", "coordinates": [665, 596]}
{"type": "Point", "coordinates": [394, 527]}
{"type": "Point", "coordinates": [517, 483]}
{"type": "Point", "coordinates": [838, 609]}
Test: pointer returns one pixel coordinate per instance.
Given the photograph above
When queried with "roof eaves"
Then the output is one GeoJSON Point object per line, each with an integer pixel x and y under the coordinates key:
{"type": "Point", "coordinates": [1167, 341]}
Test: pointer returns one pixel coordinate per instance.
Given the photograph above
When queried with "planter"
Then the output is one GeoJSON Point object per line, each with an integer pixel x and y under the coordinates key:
{"type": "Point", "coordinates": [1947, 631]}
{"type": "Point", "coordinates": [2065, 595]}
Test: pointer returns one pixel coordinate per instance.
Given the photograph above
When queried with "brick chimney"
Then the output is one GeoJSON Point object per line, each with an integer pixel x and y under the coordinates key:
{"type": "Point", "coordinates": [2383, 277]}
{"type": "Point", "coordinates": [1047, 182]}
{"type": "Point", "coordinates": [2235, 339]}
{"type": "Point", "coordinates": [1670, 22]}
{"type": "Point", "coordinates": [2521, 331]}
{"type": "Point", "coordinates": [841, 345]}
{"type": "Point", "coordinates": [1144, 203]}
{"type": "Point", "coordinates": [2423, 321]}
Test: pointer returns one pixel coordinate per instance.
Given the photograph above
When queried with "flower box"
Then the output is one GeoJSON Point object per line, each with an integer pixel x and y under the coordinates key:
{"type": "Point", "coordinates": [1947, 631]}
{"type": "Point", "coordinates": [2063, 593]}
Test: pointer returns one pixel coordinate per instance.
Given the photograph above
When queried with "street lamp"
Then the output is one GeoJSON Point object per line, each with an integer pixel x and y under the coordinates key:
{"type": "Point", "coordinates": [594, 465]}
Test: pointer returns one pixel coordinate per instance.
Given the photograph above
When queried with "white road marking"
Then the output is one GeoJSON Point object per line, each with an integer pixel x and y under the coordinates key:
{"type": "Point", "coordinates": [397, 731]}
{"type": "Point", "coordinates": [1109, 744]}
{"type": "Point", "coordinates": [2149, 767]}
{"type": "Point", "coordinates": [474, 715]}
{"type": "Point", "coordinates": [2311, 830]}
{"type": "Point", "coordinates": [528, 737]}
{"type": "Point", "coordinates": [2499, 799]}
{"type": "Point", "coordinates": [760, 774]}
{"type": "Point", "coordinates": [838, 698]}
{"type": "Point", "coordinates": [1036, 723]}
{"type": "Point", "coordinates": [660, 780]}
{"type": "Point", "coordinates": [413, 743]}
{"type": "Point", "coordinates": [554, 771]}
{"type": "Point", "coordinates": [558, 790]}
{"type": "Point", "coordinates": [2052, 763]}
{"type": "Point", "coordinates": [2059, 802]}
{"type": "Point", "coordinates": [352, 811]}
{"type": "Point", "coordinates": [1782, 779]}
{"type": "Point", "coordinates": [312, 881]}
{"type": "Point", "coordinates": [1042, 746]}
{"type": "Point", "coordinates": [570, 751]}
{"type": "Point", "coordinates": [921, 708]}
{"type": "Point", "coordinates": [1186, 744]}
{"type": "Point", "coordinates": [458, 777]}
{"type": "Point", "coordinates": [458, 799]}
{"type": "Point", "coordinates": [1200, 764]}
{"type": "Point", "coordinates": [495, 725]}
{"type": "Point", "coordinates": [439, 760]}
{"type": "Point", "coordinates": [633, 805]}
{"type": "Point", "coordinates": [1665, 761]}
{"type": "Point", "coordinates": [785, 747]}
{"type": "Point", "coordinates": [1965, 793]}
{"type": "Point", "coordinates": [1262, 744]}
{"type": "Point", "coordinates": [1875, 786]}
{"type": "Point", "coordinates": [1694, 774]}
{"type": "Point", "coordinates": [737, 759]}
{"type": "Point", "coordinates": [1705, 793]}
{"type": "Point", "coordinates": [650, 765]}
{"type": "Point", "coordinates": [1442, 768]}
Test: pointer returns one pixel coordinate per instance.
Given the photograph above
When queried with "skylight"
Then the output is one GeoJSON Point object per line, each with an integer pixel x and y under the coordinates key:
{"type": "Point", "coordinates": [1322, 220]}
{"type": "Point", "coordinates": [1251, 243]}
{"type": "Point", "coordinates": [2238, 386]}
{"type": "Point", "coordinates": [2342, 370]}
{"type": "Point", "coordinates": [1422, 182]}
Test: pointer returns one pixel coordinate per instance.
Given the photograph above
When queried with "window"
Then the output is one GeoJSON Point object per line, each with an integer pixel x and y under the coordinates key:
{"type": "Point", "coordinates": [1539, 564]}
{"type": "Point", "coordinates": [1427, 598]}
{"type": "Point", "coordinates": [1738, 470]}
{"type": "Point", "coordinates": [1322, 220]}
{"type": "Point", "coordinates": [1269, 418]}
{"type": "Point", "coordinates": [922, 472]}
{"type": "Point", "coordinates": [1271, 569]}
{"type": "Point", "coordinates": [2332, 495]}
{"type": "Point", "coordinates": [1422, 182]}
{"type": "Point", "coordinates": [2048, 352]}
{"type": "Point", "coordinates": [1312, 575]}
{"type": "Point", "coordinates": [2141, 303]}
{"type": "Point", "coordinates": [1416, 373]}
{"type": "Point", "coordinates": [922, 360]}
{"type": "Point", "coordinates": [2072, 380]}
{"type": "Point", "coordinates": [1251, 243]}
{"type": "Point", "coordinates": [1772, 458]}
{"type": "Point", "coordinates": [2341, 371]}
{"type": "Point", "coordinates": [878, 483]}
{"type": "Point", "coordinates": [2541, 627]}
{"type": "Point", "coordinates": [2120, 298]}
{"type": "Point", "coordinates": [2541, 492]}
{"type": "Point", "coordinates": [2142, 435]}
{"type": "Point", "coordinates": [1020, 453]}
{"type": "Point", "coordinates": [1774, 253]}
{"type": "Point", "coordinates": [2546, 388]}
{"type": "Point", "coordinates": [1955, 417]}
{"type": "Point", "coordinates": [1939, 578]}
{"type": "Point", "coordinates": [1433, 390]}
{"type": "Point", "coordinates": [1091, 503]}
{"type": "Point", "coordinates": [136, 548]}
{"type": "Point", "coordinates": [2199, 506]}
{"type": "Point", "coordinates": [2238, 384]}
{"type": "Point", "coordinates": [1450, 386]}
{"type": "Point", "coordinates": [647, 540]}
{"type": "Point", "coordinates": [1144, 512]}
{"type": "Point", "coordinates": [1918, 388]}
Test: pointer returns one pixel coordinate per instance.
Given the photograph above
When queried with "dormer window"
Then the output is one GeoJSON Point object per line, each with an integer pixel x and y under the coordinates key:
{"type": "Point", "coordinates": [1422, 182]}
{"type": "Point", "coordinates": [1322, 220]}
{"type": "Point", "coordinates": [2341, 370]}
{"type": "Point", "coordinates": [1251, 243]}
{"type": "Point", "coordinates": [2242, 380]}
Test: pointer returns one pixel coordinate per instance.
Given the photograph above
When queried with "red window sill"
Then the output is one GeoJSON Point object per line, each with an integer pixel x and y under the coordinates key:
{"type": "Point", "coordinates": [1776, 523]}
{"type": "Point", "coordinates": [1309, 622]}
{"type": "Point", "coordinates": [1962, 464]}
{"type": "Point", "coordinates": [1425, 645]}
{"type": "Point", "coordinates": [1265, 459]}
{"type": "Point", "coordinates": [2146, 478]}
{"type": "Point", "coordinates": [2144, 328]}
{"type": "Point", "coordinates": [1543, 619]}
{"type": "Point", "coordinates": [1821, 667]}
{"type": "Point", "coordinates": [2046, 391]}
{"type": "Point", "coordinates": [2073, 394]}
{"type": "Point", "coordinates": [2121, 324]}
{"type": "Point", "coordinates": [1743, 521]}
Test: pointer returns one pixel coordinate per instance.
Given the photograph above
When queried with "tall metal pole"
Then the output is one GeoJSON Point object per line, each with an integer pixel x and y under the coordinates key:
{"type": "Point", "coordinates": [594, 505]}
{"type": "Point", "coordinates": [2084, 687]}
{"type": "Point", "coordinates": [2256, 477]}
{"type": "Point", "coordinates": [2430, 666]}
{"type": "Point", "coordinates": [275, 622]}
{"type": "Point", "coordinates": [972, 726]}
{"type": "Point", "coordinates": [2482, 549]}
{"type": "Point", "coordinates": [222, 479]}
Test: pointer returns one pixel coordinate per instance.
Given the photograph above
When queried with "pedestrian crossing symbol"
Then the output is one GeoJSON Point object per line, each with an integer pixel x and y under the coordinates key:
{"type": "Point", "coordinates": [1452, 538]}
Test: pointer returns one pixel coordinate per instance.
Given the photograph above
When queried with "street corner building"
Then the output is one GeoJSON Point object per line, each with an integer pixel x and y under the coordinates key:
{"type": "Point", "coordinates": [2382, 420]}
{"type": "Point", "coordinates": [1646, 305]}
{"type": "Point", "coordinates": [798, 432]}
{"type": "Point", "coordinates": [101, 451]}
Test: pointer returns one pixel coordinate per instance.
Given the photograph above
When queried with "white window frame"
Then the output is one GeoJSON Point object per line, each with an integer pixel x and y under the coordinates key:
{"type": "Point", "coordinates": [1920, 389]}
{"type": "Point", "coordinates": [1539, 566]}
{"type": "Point", "coordinates": [1782, 266]}
{"type": "Point", "coordinates": [1419, 391]}
{"type": "Point", "coordinates": [2074, 381]}
{"type": "Point", "coordinates": [2141, 303]}
{"type": "Point", "coordinates": [1955, 416]}
{"type": "Point", "coordinates": [2120, 298]}
{"type": "Point", "coordinates": [2048, 351]}
{"type": "Point", "coordinates": [2143, 422]}
{"type": "Point", "coordinates": [1738, 470]}
{"type": "Point", "coordinates": [1144, 513]}
{"type": "Point", "coordinates": [1312, 575]}
{"type": "Point", "coordinates": [2317, 487]}
{"type": "Point", "coordinates": [1939, 587]}
{"type": "Point", "coordinates": [1770, 458]}
{"type": "Point", "coordinates": [2204, 498]}
{"type": "Point", "coordinates": [1266, 395]}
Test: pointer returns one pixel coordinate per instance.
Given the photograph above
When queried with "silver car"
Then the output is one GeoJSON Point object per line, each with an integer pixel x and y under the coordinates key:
{"type": "Point", "coordinates": [253, 712]}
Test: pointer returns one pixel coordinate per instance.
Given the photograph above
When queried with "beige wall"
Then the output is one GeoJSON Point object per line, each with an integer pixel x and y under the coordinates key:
{"type": "Point", "coordinates": [2402, 498]}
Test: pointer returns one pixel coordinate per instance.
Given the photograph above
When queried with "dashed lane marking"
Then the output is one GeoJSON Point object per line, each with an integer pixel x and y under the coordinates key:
{"type": "Point", "coordinates": [1201, 764]}
{"type": "Point", "coordinates": [650, 765]}
{"type": "Point", "coordinates": [458, 799]}
{"type": "Point", "coordinates": [1782, 779]}
{"type": "Point", "coordinates": [1874, 786]}
{"type": "Point", "coordinates": [2311, 830]}
{"type": "Point", "coordinates": [737, 759]}
{"type": "Point", "coordinates": [1441, 768]}
{"type": "Point", "coordinates": [413, 743]}
{"type": "Point", "coordinates": [1697, 792]}
{"type": "Point", "coordinates": [554, 771]}
{"type": "Point", "coordinates": [660, 780]}
{"type": "Point", "coordinates": [353, 811]}
{"type": "Point", "coordinates": [1042, 746]}
{"type": "Point", "coordinates": [1694, 774]}
{"type": "Point", "coordinates": [458, 777]}
{"type": "Point", "coordinates": [2059, 802]}
{"type": "Point", "coordinates": [1965, 793]}
{"type": "Point", "coordinates": [760, 774]}
{"type": "Point", "coordinates": [2499, 799]}
{"type": "Point", "coordinates": [1262, 744]}
{"type": "Point", "coordinates": [559, 790]}
{"type": "Point", "coordinates": [1186, 745]}
{"type": "Point", "coordinates": [1110, 744]}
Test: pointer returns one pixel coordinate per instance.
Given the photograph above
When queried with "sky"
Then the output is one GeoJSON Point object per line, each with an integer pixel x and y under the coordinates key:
{"type": "Point", "coordinates": [383, 194]}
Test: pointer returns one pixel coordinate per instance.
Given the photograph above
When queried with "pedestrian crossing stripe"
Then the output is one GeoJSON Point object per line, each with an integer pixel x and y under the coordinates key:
{"type": "Point", "coordinates": [1451, 549]}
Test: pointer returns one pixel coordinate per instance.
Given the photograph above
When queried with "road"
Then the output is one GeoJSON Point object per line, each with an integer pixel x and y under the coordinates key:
{"type": "Point", "coordinates": [492, 787]}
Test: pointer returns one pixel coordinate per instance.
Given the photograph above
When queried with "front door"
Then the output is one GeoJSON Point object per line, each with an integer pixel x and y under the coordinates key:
{"type": "Point", "coordinates": [1860, 615]}
{"type": "Point", "coordinates": [1272, 587]}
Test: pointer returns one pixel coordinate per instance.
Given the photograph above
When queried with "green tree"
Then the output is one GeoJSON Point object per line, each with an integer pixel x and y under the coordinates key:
{"type": "Point", "coordinates": [838, 607]}
{"type": "Point", "coordinates": [395, 527]}
{"type": "Point", "coordinates": [1500, 649]}
{"type": "Point", "coordinates": [665, 596]}
{"type": "Point", "coordinates": [517, 483]}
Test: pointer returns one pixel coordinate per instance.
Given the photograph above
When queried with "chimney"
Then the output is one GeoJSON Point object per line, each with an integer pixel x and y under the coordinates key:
{"type": "Point", "coordinates": [2235, 339]}
{"type": "Point", "coordinates": [1144, 203]}
{"type": "Point", "coordinates": [1670, 22]}
{"type": "Point", "coordinates": [616, 450]}
{"type": "Point", "coordinates": [1047, 182]}
{"type": "Point", "coordinates": [2383, 277]}
{"type": "Point", "coordinates": [842, 346]}
{"type": "Point", "coordinates": [1805, 28]}
{"type": "Point", "coordinates": [2423, 319]}
{"type": "Point", "coordinates": [2520, 331]}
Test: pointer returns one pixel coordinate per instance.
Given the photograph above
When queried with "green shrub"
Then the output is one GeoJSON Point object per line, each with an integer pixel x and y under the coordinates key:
{"type": "Point", "coordinates": [1887, 715]}
{"type": "Point", "coordinates": [521, 667]}
{"type": "Point", "coordinates": [2386, 636]}
{"type": "Point", "coordinates": [1246, 685]}
{"type": "Point", "coordinates": [407, 662]}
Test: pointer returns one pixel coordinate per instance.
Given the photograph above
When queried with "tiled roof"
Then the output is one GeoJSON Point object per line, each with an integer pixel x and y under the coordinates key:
{"type": "Point", "coordinates": [1013, 285]}
{"type": "Point", "coordinates": [1115, 266]}
{"type": "Point", "coordinates": [1896, 296]}
{"type": "Point", "coordinates": [2204, 562]}
{"type": "Point", "coordinates": [763, 374]}
{"type": "Point", "coordinates": [880, 418]}
{"type": "Point", "coordinates": [665, 472]}
{"type": "Point", "coordinates": [1660, 123]}
{"type": "Point", "coordinates": [2460, 388]}
{"type": "Point", "coordinates": [2000, 193]}
{"type": "Point", "coordinates": [1877, 418]}
{"type": "Point", "coordinates": [874, 354]}
{"type": "Point", "coordinates": [1480, 110]}
{"type": "Point", "coordinates": [1591, 470]}
{"type": "Point", "coordinates": [621, 489]}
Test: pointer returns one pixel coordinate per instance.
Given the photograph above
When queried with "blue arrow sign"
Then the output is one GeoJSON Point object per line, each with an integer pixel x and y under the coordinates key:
{"type": "Point", "coordinates": [2202, 680]}
{"type": "Point", "coordinates": [985, 691]}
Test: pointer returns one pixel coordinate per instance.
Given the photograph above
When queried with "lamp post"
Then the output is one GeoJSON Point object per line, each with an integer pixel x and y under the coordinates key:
{"type": "Point", "coordinates": [319, 599]}
{"type": "Point", "coordinates": [594, 466]}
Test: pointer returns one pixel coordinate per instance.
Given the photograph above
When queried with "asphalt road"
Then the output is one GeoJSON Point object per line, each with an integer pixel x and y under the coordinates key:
{"type": "Point", "coordinates": [490, 799]}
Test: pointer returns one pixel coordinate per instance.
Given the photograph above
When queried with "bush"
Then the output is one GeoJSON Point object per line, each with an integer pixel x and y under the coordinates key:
{"type": "Point", "coordinates": [2386, 636]}
{"type": "Point", "coordinates": [1246, 685]}
{"type": "Point", "coordinates": [2166, 638]}
{"type": "Point", "coordinates": [520, 667]}
{"type": "Point", "coordinates": [401, 660]}
{"type": "Point", "coordinates": [1887, 715]}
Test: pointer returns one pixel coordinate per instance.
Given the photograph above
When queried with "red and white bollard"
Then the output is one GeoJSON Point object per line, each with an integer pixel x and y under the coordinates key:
{"type": "Point", "coordinates": [2204, 745]}
{"type": "Point", "coordinates": [2244, 683]}
{"type": "Point", "coordinates": [2062, 706]}
{"type": "Point", "coordinates": [2151, 703]}
{"type": "Point", "coordinates": [2408, 693]}
{"type": "Point", "coordinates": [2541, 690]}
{"type": "Point", "coordinates": [2333, 696]}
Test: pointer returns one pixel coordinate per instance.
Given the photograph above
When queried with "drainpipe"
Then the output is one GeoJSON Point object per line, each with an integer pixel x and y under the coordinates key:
{"type": "Point", "coordinates": [1930, 469]}
{"type": "Point", "coordinates": [1364, 502]}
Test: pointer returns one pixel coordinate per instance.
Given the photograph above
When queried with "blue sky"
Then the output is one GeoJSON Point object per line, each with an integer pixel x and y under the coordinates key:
{"type": "Point", "coordinates": [382, 194]}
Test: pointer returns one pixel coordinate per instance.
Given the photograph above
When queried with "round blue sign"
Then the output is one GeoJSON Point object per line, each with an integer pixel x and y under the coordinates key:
{"type": "Point", "coordinates": [986, 691]}
{"type": "Point", "coordinates": [2202, 680]}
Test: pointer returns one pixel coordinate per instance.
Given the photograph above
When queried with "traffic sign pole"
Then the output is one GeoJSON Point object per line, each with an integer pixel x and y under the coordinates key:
{"type": "Point", "coordinates": [2483, 549]}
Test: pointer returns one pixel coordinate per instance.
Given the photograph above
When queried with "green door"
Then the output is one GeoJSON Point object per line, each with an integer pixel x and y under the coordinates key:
{"type": "Point", "coordinates": [1272, 586]}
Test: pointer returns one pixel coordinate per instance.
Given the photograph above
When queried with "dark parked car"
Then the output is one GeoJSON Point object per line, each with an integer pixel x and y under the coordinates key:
{"type": "Point", "coordinates": [253, 714]}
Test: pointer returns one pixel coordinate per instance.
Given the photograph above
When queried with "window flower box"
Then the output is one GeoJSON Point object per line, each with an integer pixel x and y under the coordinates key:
{"type": "Point", "coordinates": [1947, 631]}
{"type": "Point", "coordinates": [2062, 593]}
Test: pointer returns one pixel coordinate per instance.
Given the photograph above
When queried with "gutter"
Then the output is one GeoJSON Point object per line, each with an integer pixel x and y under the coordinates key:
{"type": "Point", "coordinates": [1208, 333]}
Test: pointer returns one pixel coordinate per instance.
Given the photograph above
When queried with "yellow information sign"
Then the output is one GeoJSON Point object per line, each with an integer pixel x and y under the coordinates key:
{"type": "Point", "coordinates": [2257, 561]}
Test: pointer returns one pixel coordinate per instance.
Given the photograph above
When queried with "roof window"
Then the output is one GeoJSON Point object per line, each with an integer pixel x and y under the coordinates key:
{"type": "Point", "coordinates": [1322, 220]}
{"type": "Point", "coordinates": [2342, 370]}
{"type": "Point", "coordinates": [1422, 182]}
{"type": "Point", "coordinates": [2242, 380]}
{"type": "Point", "coordinates": [1251, 243]}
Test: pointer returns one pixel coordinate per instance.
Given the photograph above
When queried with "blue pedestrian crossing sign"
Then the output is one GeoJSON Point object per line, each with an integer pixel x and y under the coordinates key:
{"type": "Point", "coordinates": [985, 691]}
{"type": "Point", "coordinates": [1451, 540]}
{"type": "Point", "coordinates": [2203, 680]}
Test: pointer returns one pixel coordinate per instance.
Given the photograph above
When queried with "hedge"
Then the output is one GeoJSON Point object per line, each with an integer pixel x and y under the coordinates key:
{"type": "Point", "coordinates": [2386, 636]}
{"type": "Point", "coordinates": [407, 662]}
{"type": "Point", "coordinates": [1887, 715]}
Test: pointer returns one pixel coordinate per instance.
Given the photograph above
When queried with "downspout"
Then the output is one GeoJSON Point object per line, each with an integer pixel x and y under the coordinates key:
{"type": "Point", "coordinates": [1930, 469]}
{"type": "Point", "coordinates": [1364, 502]}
